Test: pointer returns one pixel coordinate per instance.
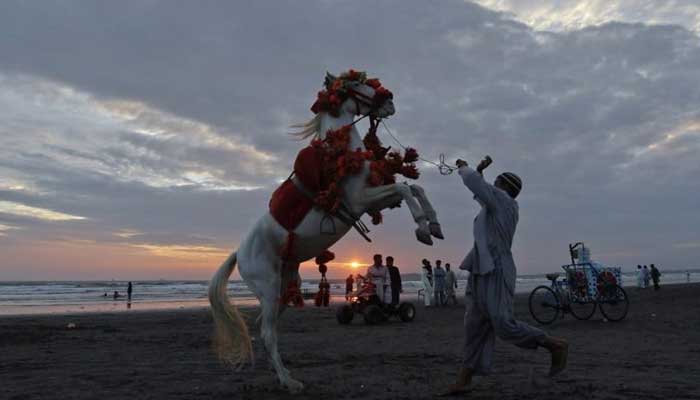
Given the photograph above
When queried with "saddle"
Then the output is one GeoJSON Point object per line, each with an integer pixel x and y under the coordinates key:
{"type": "Point", "coordinates": [289, 204]}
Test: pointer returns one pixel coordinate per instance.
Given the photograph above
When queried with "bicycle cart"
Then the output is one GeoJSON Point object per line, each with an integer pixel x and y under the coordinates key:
{"type": "Point", "coordinates": [587, 285]}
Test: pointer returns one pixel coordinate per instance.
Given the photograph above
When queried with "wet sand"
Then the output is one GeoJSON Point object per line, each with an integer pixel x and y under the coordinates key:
{"type": "Point", "coordinates": [653, 354]}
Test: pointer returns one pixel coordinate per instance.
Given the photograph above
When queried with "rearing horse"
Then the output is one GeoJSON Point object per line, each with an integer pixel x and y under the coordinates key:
{"type": "Point", "coordinates": [263, 268]}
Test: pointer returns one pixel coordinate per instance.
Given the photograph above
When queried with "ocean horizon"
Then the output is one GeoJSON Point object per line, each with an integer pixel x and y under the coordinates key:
{"type": "Point", "coordinates": [75, 296]}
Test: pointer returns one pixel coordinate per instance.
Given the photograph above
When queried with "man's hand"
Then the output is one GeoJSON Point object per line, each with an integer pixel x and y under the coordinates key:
{"type": "Point", "coordinates": [461, 163]}
{"type": "Point", "coordinates": [484, 164]}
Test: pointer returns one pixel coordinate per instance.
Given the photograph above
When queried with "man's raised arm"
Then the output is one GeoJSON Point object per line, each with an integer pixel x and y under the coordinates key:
{"type": "Point", "coordinates": [476, 183]}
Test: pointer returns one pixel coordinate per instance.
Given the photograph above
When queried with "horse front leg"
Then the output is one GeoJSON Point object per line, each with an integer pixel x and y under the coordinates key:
{"type": "Point", "coordinates": [434, 224]}
{"type": "Point", "coordinates": [381, 197]}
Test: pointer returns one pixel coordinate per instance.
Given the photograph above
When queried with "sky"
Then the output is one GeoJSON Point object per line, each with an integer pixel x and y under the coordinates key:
{"type": "Point", "coordinates": [142, 139]}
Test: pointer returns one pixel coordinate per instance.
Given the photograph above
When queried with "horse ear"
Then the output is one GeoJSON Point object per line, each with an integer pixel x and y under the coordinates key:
{"type": "Point", "coordinates": [329, 79]}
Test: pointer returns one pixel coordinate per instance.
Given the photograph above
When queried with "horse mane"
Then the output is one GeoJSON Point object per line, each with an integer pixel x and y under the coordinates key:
{"type": "Point", "coordinates": [307, 129]}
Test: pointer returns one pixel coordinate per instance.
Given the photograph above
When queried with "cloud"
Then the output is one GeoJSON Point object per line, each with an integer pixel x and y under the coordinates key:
{"type": "Point", "coordinates": [171, 131]}
{"type": "Point", "coordinates": [560, 15]}
{"type": "Point", "coordinates": [127, 140]}
{"type": "Point", "coordinates": [186, 252]}
{"type": "Point", "coordinates": [688, 245]}
{"type": "Point", "coordinates": [10, 207]}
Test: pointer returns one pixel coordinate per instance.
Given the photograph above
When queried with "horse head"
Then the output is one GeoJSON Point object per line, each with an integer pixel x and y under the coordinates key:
{"type": "Point", "coordinates": [352, 92]}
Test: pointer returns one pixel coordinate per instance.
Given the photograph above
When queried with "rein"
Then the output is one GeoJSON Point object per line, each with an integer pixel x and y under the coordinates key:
{"type": "Point", "coordinates": [441, 166]}
{"type": "Point", "coordinates": [374, 103]}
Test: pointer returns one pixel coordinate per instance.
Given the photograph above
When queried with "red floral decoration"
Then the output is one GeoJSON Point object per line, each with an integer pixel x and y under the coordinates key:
{"type": "Point", "coordinates": [292, 295]}
{"type": "Point", "coordinates": [336, 91]}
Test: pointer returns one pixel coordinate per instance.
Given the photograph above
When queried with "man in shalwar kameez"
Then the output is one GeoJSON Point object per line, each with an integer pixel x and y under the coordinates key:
{"type": "Point", "coordinates": [492, 280]}
{"type": "Point", "coordinates": [378, 274]}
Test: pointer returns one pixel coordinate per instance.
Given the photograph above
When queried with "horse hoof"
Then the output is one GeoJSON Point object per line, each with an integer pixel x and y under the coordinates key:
{"type": "Point", "coordinates": [294, 386]}
{"type": "Point", "coordinates": [436, 230]}
{"type": "Point", "coordinates": [423, 237]}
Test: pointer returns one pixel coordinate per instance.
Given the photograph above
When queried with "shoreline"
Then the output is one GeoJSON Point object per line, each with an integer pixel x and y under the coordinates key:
{"type": "Point", "coordinates": [145, 305]}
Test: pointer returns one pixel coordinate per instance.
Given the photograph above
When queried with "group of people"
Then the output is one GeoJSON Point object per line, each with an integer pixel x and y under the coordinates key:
{"type": "Point", "coordinates": [438, 284]}
{"type": "Point", "coordinates": [644, 275]}
{"type": "Point", "coordinates": [386, 280]}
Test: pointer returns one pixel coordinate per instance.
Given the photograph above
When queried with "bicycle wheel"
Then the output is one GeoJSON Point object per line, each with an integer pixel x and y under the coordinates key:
{"type": "Point", "coordinates": [544, 305]}
{"type": "Point", "coordinates": [582, 310]}
{"type": "Point", "coordinates": [613, 303]}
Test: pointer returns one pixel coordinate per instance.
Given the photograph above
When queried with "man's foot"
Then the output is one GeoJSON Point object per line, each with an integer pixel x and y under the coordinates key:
{"type": "Point", "coordinates": [462, 386]}
{"type": "Point", "coordinates": [560, 352]}
{"type": "Point", "coordinates": [456, 390]}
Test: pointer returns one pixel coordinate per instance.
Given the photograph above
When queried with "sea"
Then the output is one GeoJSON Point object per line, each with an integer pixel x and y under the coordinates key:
{"type": "Point", "coordinates": [67, 297]}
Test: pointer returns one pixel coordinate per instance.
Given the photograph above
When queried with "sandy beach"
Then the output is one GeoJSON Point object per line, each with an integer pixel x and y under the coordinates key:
{"type": "Point", "coordinates": [653, 354]}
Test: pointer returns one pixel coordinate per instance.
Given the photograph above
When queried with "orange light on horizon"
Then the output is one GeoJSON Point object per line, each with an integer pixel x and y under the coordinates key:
{"type": "Point", "coordinates": [354, 264]}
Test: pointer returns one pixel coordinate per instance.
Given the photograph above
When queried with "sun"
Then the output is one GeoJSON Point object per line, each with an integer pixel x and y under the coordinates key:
{"type": "Point", "coordinates": [355, 265]}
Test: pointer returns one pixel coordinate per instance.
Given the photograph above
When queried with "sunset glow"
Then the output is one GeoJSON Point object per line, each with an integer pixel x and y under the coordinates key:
{"type": "Point", "coordinates": [354, 264]}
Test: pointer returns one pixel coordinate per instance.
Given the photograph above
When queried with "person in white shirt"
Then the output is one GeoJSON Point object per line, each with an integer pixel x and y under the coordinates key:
{"type": "Point", "coordinates": [640, 277]}
{"type": "Point", "coordinates": [379, 275]}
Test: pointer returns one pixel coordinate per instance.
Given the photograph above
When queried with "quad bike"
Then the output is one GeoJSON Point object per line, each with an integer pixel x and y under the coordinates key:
{"type": "Point", "coordinates": [366, 302]}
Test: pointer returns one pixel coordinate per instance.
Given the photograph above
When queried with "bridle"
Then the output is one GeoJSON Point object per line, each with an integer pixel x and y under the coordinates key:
{"type": "Point", "coordinates": [374, 103]}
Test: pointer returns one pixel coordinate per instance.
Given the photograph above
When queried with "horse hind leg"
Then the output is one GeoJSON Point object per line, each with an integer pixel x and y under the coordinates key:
{"type": "Point", "coordinates": [269, 302]}
{"type": "Point", "coordinates": [434, 224]}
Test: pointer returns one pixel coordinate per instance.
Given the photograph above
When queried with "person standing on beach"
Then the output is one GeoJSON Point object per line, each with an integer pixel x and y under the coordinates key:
{"type": "Point", "coordinates": [427, 278]}
{"type": "Point", "coordinates": [359, 281]}
{"type": "Point", "coordinates": [493, 275]}
{"type": "Point", "coordinates": [647, 277]}
{"type": "Point", "coordinates": [439, 287]}
{"type": "Point", "coordinates": [640, 277]}
{"type": "Point", "coordinates": [129, 290]}
{"type": "Point", "coordinates": [348, 286]}
{"type": "Point", "coordinates": [450, 285]}
{"type": "Point", "coordinates": [395, 278]}
{"type": "Point", "coordinates": [378, 274]}
{"type": "Point", "coordinates": [655, 275]}
{"type": "Point", "coordinates": [429, 268]}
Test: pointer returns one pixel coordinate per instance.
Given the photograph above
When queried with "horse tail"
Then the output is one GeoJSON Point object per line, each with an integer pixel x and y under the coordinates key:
{"type": "Point", "coordinates": [307, 129]}
{"type": "Point", "coordinates": [231, 338]}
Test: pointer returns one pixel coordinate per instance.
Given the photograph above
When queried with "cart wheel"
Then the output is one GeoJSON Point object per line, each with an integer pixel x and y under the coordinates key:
{"type": "Point", "coordinates": [613, 303]}
{"type": "Point", "coordinates": [407, 312]}
{"type": "Point", "coordinates": [344, 314]}
{"type": "Point", "coordinates": [582, 310]}
{"type": "Point", "coordinates": [373, 315]}
{"type": "Point", "coordinates": [544, 305]}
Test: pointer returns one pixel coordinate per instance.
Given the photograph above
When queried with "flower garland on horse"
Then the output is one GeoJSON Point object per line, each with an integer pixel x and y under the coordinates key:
{"type": "Point", "coordinates": [337, 161]}
{"type": "Point", "coordinates": [323, 164]}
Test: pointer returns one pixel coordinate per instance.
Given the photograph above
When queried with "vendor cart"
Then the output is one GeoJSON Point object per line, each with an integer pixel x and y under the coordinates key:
{"type": "Point", "coordinates": [587, 285]}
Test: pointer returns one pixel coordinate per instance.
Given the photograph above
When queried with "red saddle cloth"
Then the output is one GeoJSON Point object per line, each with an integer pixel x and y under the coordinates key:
{"type": "Point", "coordinates": [288, 204]}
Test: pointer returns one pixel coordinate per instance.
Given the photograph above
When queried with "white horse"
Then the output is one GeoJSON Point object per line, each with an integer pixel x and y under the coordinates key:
{"type": "Point", "coordinates": [260, 264]}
